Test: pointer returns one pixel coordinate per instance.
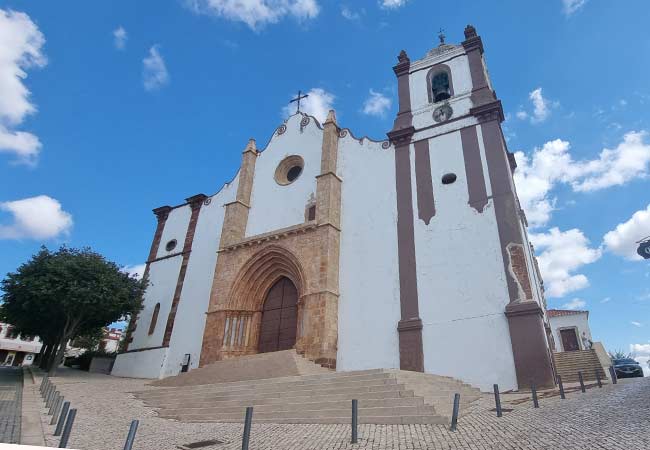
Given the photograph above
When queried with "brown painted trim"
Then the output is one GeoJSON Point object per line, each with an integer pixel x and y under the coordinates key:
{"type": "Point", "coordinates": [505, 206]}
{"type": "Point", "coordinates": [476, 189]}
{"type": "Point", "coordinates": [142, 349]}
{"type": "Point", "coordinates": [443, 61]}
{"type": "Point", "coordinates": [473, 45]}
{"type": "Point", "coordinates": [195, 202]}
{"type": "Point", "coordinates": [411, 352]}
{"type": "Point", "coordinates": [410, 337]}
{"type": "Point", "coordinates": [435, 70]}
{"type": "Point", "coordinates": [423, 182]}
{"type": "Point", "coordinates": [162, 213]}
{"type": "Point", "coordinates": [533, 363]}
{"type": "Point", "coordinates": [171, 255]}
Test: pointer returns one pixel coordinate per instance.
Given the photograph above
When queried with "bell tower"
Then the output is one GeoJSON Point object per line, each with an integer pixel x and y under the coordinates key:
{"type": "Point", "coordinates": [455, 194]}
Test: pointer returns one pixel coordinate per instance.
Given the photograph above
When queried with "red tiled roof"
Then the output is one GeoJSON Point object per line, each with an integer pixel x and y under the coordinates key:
{"type": "Point", "coordinates": [564, 312]}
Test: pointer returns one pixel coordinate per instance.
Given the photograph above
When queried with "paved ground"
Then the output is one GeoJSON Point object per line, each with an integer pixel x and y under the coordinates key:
{"type": "Point", "coordinates": [11, 388]}
{"type": "Point", "coordinates": [614, 417]}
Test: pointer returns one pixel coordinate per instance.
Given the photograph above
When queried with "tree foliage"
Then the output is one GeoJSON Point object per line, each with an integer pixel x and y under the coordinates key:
{"type": "Point", "coordinates": [68, 293]}
{"type": "Point", "coordinates": [619, 354]}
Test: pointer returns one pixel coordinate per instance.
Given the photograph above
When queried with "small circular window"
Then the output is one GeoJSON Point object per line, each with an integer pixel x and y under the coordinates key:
{"type": "Point", "coordinates": [171, 245]}
{"type": "Point", "coordinates": [289, 170]}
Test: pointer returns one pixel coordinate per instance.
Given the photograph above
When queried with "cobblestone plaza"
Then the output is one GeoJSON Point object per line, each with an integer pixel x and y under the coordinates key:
{"type": "Point", "coordinates": [614, 417]}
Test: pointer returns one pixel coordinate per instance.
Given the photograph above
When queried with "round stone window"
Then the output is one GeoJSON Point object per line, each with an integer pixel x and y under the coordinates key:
{"type": "Point", "coordinates": [171, 245]}
{"type": "Point", "coordinates": [289, 170]}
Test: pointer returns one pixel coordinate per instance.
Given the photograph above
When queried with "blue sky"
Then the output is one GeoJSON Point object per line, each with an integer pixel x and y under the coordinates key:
{"type": "Point", "coordinates": [109, 109]}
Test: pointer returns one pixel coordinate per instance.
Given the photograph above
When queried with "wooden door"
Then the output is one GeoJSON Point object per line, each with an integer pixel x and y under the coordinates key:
{"type": "Point", "coordinates": [569, 340]}
{"type": "Point", "coordinates": [279, 317]}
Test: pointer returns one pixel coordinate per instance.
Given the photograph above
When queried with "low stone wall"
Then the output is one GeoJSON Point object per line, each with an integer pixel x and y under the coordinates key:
{"type": "Point", "coordinates": [101, 365]}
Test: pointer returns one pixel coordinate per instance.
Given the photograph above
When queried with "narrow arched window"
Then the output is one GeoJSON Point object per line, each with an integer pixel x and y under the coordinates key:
{"type": "Point", "coordinates": [440, 86]}
{"type": "Point", "coordinates": [154, 319]}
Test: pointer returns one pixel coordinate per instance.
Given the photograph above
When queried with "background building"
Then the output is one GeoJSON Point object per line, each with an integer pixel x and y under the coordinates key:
{"type": "Point", "coordinates": [17, 350]}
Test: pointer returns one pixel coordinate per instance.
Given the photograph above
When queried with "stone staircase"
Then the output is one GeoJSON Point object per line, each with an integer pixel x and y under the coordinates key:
{"type": "Point", "coordinates": [386, 396]}
{"type": "Point", "coordinates": [250, 367]}
{"type": "Point", "coordinates": [568, 364]}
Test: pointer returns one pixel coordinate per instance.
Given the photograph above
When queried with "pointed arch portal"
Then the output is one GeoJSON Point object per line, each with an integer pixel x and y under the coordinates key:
{"type": "Point", "coordinates": [279, 317]}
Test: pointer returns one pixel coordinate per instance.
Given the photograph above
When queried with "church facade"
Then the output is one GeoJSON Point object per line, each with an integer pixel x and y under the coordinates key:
{"type": "Point", "coordinates": [407, 253]}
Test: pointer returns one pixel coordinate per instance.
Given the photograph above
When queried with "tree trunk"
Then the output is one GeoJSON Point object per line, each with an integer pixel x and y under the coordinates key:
{"type": "Point", "coordinates": [58, 356]}
{"type": "Point", "coordinates": [39, 357]}
{"type": "Point", "coordinates": [50, 357]}
{"type": "Point", "coordinates": [45, 359]}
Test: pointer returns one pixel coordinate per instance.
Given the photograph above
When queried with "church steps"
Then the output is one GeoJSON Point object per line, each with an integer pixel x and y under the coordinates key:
{"type": "Point", "coordinates": [303, 379]}
{"type": "Point", "coordinates": [311, 405]}
{"type": "Point", "coordinates": [311, 414]}
{"type": "Point", "coordinates": [278, 383]}
{"type": "Point", "coordinates": [386, 396]}
{"type": "Point", "coordinates": [284, 394]}
{"type": "Point", "coordinates": [279, 399]}
{"type": "Point", "coordinates": [568, 364]}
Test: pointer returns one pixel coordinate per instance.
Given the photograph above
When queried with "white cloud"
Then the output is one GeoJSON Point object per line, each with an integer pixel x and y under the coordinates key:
{"type": "Point", "coordinates": [574, 304]}
{"type": "Point", "coordinates": [571, 6]}
{"type": "Point", "coordinates": [392, 4]}
{"type": "Point", "coordinates": [641, 352]}
{"type": "Point", "coordinates": [137, 270]}
{"type": "Point", "coordinates": [317, 104]}
{"type": "Point", "coordinates": [538, 174]}
{"type": "Point", "coordinates": [21, 45]}
{"type": "Point", "coordinates": [541, 106]}
{"type": "Point", "coordinates": [562, 254]}
{"type": "Point", "coordinates": [377, 104]}
{"type": "Point", "coordinates": [154, 71]}
{"type": "Point", "coordinates": [606, 300]}
{"type": "Point", "coordinates": [636, 324]}
{"type": "Point", "coordinates": [119, 38]}
{"type": "Point", "coordinates": [522, 115]}
{"type": "Point", "coordinates": [256, 13]}
{"type": "Point", "coordinates": [629, 160]}
{"type": "Point", "coordinates": [622, 240]}
{"type": "Point", "coordinates": [348, 14]}
{"type": "Point", "coordinates": [40, 217]}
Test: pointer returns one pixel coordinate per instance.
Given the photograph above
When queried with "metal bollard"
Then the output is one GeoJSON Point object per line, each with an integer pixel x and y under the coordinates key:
{"type": "Point", "coordinates": [50, 398]}
{"type": "Point", "coordinates": [497, 400]}
{"type": "Point", "coordinates": [355, 421]}
{"type": "Point", "coordinates": [454, 414]}
{"type": "Point", "coordinates": [600, 384]}
{"type": "Point", "coordinates": [57, 395]}
{"type": "Point", "coordinates": [68, 428]}
{"type": "Point", "coordinates": [57, 409]}
{"type": "Point", "coordinates": [612, 373]}
{"type": "Point", "coordinates": [533, 389]}
{"type": "Point", "coordinates": [46, 389]}
{"type": "Point", "coordinates": [49, 394]}
{"type": "Point", "coordinates": [128, 445]}
{"type": "Point", "coordinates": [40, 388]}
{"type": "Point", "coordinates": [62, 417]}
{"type": "Point", "coordinates": [559, 381]}
{"type": "Point", "coordinates": [582, 382]}
{"type": "Point", "coordinates": [247, 428]}
{"type": "Point", "coordinates": [44, 384]}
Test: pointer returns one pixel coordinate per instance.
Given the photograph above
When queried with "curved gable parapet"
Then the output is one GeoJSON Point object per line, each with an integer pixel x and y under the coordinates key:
{"type": "Point", "coordinates": [346, 133]}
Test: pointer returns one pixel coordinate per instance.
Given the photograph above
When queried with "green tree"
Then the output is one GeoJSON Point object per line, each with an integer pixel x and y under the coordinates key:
{"type": "Point", "coordinates": [89, 341]}
{"type": "Point", "coordinates": [619, 354]}
{"type": "Point", "coordinates": [68, 293]}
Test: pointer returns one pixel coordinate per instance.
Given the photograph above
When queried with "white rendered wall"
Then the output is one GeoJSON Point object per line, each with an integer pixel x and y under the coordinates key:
{"type": "Point", "coordinates": [187, 336]}
{"type": "Point", "coordinates": [274, 206]}
{"type": "Point", "coordinates": [144, 364]}
{"type": "Point", "coordinates": [579, 321]}
{"type": "Point", "coordinates": [369, 305]}
{"type": "Point", "coordinates": [175, 228]}
{"type": "Point", "coordinates": [462, 289]}
{"type": "Point", "coordinates": [163, 276]}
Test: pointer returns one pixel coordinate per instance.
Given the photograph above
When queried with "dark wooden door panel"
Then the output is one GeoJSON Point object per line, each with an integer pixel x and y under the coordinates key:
{"type": "Point", "coordinates": [569, 340]}
{"type": "Point", "coordinates": [279, 317]}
